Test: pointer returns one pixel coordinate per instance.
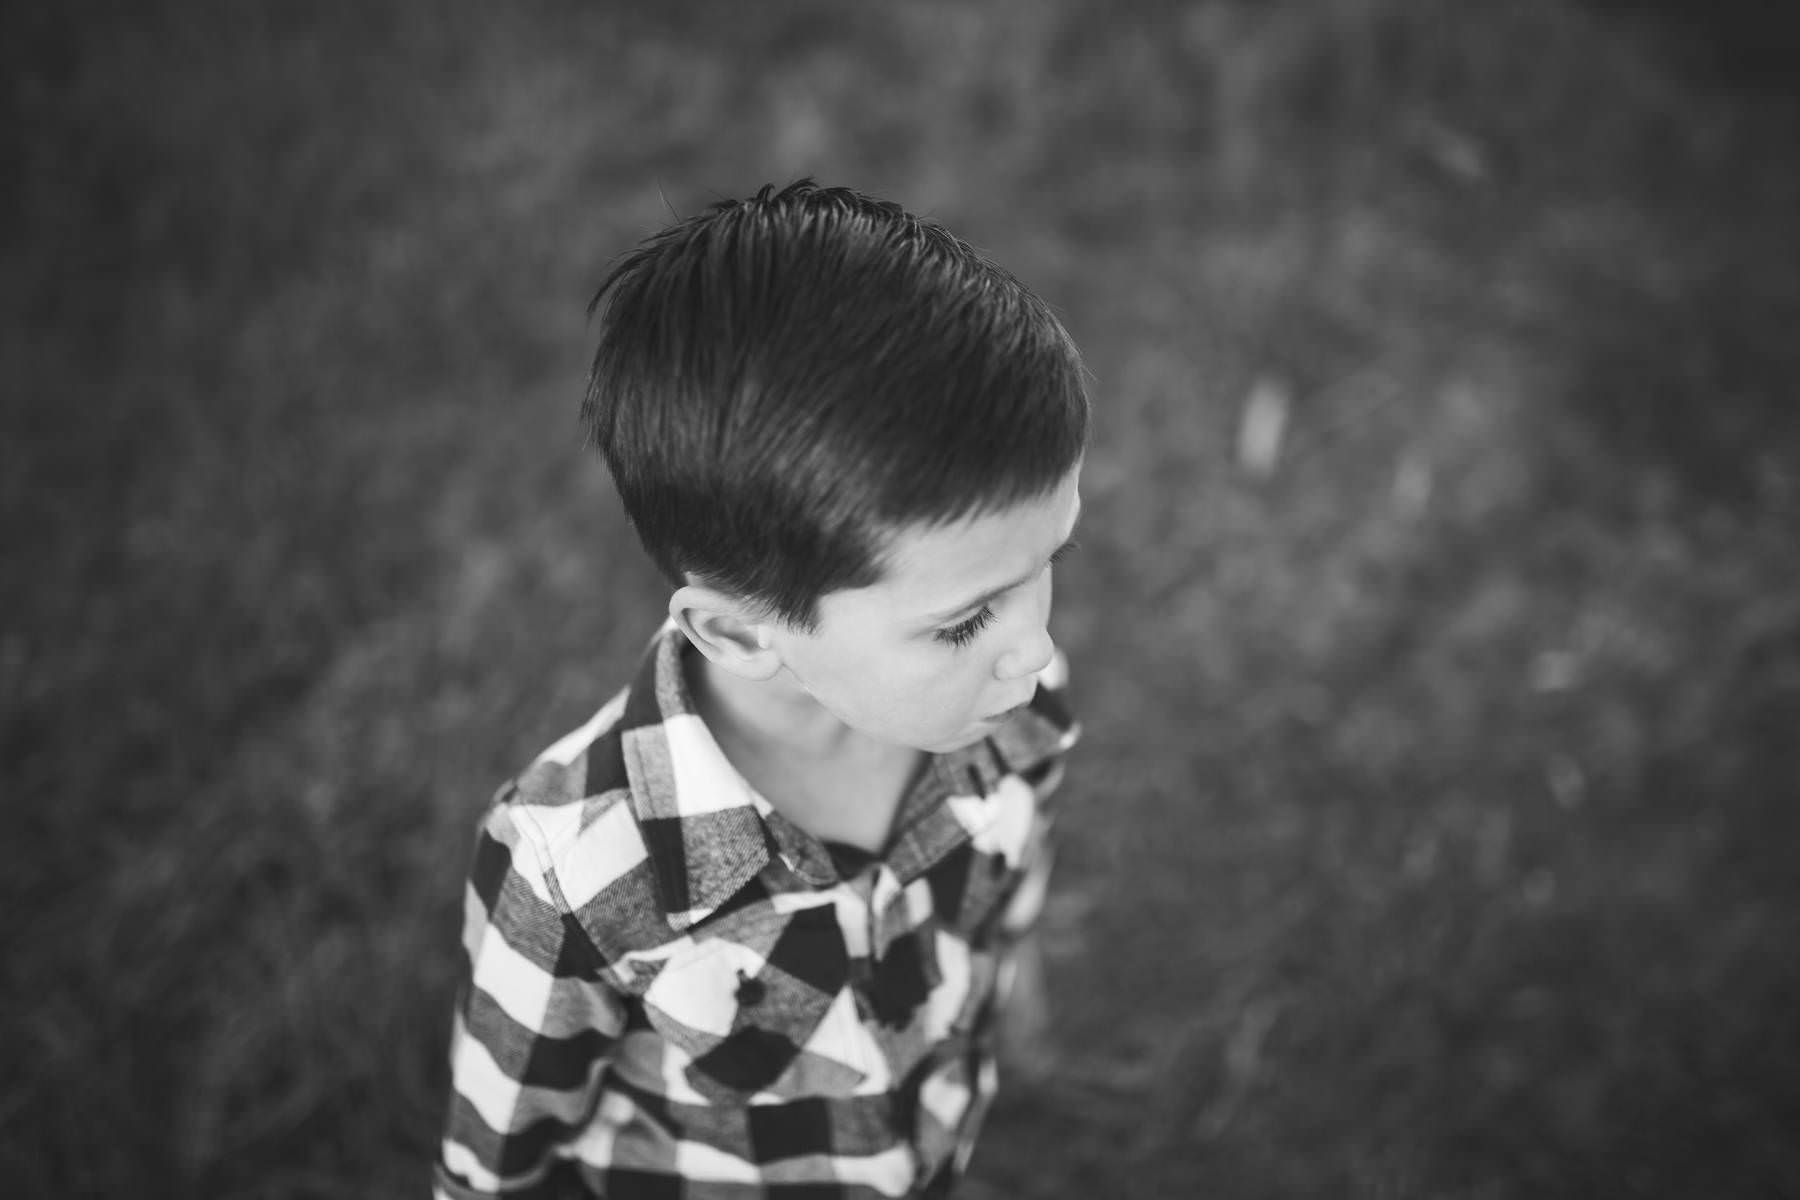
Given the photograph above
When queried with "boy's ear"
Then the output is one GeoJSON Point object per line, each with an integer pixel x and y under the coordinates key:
{"type": "Point", "coordinates": [728, 632]}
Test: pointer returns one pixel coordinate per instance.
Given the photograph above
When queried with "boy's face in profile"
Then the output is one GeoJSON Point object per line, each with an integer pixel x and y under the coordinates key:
{"type": "Point", "coordinates": [949, 642]}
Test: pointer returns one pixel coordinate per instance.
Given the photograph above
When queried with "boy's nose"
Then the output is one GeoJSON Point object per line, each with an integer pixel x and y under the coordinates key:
{"type": "Point", "coordinates": [1027, 659]}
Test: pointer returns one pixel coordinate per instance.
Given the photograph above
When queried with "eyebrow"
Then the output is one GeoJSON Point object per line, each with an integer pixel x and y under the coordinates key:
{"type": "Point", "coordinates": [992, 593]}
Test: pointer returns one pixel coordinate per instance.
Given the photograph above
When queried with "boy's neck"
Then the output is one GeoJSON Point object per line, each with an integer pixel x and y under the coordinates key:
{"type": "Point", "coordinates": [793, 751]}
{"type": "Point", "coordinates": [776, 715]}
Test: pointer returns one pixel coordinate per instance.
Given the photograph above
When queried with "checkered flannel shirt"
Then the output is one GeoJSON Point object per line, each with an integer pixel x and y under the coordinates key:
{"type": "Point", "coordinates": [673, 992]}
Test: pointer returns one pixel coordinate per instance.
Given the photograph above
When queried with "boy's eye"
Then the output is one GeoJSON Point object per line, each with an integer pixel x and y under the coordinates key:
{"type": "Point", "coordinates": [963, 632]}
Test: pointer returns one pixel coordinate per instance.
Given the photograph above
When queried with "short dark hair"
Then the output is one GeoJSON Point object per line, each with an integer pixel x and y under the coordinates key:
{"type": "Point", "coordinates": [784, 382]}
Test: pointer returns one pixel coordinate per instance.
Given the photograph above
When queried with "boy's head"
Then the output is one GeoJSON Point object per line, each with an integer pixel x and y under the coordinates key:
{"type": "Point", "coordinates": [784, 384]}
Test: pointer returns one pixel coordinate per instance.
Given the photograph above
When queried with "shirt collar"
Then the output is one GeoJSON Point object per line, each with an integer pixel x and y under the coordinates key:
{"type": "Point", "coordinates": [702, 826]}
{"type": "Point", "coordinates": [708, 833]}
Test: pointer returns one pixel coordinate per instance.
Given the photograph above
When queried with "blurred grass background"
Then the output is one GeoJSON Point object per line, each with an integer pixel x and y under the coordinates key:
{"type": "Point", "coordinates": [1437, 619]}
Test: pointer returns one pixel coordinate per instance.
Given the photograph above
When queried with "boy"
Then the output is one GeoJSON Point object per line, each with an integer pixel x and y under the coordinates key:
{"type": "Point", "coordinates": [745, 933]}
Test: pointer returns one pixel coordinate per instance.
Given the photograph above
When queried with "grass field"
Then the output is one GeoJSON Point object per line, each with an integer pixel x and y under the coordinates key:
{"type": "Point", "coordinates": [1433, 832]}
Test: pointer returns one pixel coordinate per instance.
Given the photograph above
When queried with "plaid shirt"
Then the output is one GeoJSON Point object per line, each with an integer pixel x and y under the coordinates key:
{"type": "Point", "coordinates": [674, 992]}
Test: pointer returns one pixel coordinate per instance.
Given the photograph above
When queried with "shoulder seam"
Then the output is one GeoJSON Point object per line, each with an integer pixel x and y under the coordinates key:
{"type": "Point", "coordinates": [566, 749]}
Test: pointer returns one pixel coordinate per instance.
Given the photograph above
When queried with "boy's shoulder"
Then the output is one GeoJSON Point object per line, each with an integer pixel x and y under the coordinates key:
{"type": "Point", "coordinates": [575, 838]}
{"type": "Point", "coordinates": [633, 824]}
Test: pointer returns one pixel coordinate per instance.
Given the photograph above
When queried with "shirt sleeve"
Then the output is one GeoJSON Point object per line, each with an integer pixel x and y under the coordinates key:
{"type": "Point", "coordinates": [534, 1024]}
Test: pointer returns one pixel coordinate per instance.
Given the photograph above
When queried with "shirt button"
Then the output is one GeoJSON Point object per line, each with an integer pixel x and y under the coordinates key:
{"type": "Point", "coordinates": [750, 991]}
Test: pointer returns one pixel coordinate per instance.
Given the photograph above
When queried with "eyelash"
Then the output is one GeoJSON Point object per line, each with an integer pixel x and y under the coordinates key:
{"type": "Point", "coordinates": [964, 632]}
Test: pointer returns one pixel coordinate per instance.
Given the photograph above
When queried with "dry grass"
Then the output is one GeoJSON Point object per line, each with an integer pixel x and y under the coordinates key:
{"type": "Point", "coordinates": [1430, 835]}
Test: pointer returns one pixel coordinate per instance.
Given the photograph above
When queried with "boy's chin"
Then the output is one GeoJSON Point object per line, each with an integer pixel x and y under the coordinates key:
{"type": "Point", "coordinates": [961, 741]}
{"type": "Point", "coordinates": [936, 742]}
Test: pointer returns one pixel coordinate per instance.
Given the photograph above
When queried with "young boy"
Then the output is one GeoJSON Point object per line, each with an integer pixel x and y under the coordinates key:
{"type": "Point", "coordinates": [745, 933]}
